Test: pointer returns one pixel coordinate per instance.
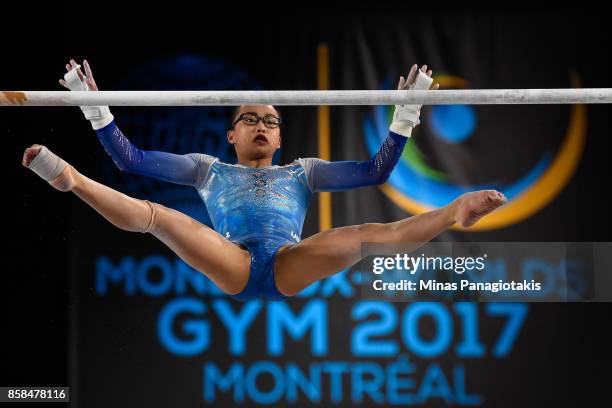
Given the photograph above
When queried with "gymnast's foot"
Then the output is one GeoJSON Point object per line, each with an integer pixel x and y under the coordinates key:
{"type": "Point", "coordinates": [470, 207]}
{"type": "Point", "coordinates": [50, 167]}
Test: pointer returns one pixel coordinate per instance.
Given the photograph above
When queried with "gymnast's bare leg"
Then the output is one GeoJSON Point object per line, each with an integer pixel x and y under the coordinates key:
{"type": "Point", "coordinates": [222, 261]}
{"type": "Point", "coordinates": [329, 252]}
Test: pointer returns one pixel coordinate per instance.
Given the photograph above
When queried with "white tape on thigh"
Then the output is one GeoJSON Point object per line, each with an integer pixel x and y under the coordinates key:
{"type": "Point", "coordinates": [47, 164]}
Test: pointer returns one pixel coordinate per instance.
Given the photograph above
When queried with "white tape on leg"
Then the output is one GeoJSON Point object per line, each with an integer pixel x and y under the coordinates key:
{"type": "Point", "coordinates": [47, 164]}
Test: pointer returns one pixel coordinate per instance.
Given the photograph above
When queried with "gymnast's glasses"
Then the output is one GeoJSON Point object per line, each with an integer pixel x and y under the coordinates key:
{"type": "Point", "coordinates": [251, 118]}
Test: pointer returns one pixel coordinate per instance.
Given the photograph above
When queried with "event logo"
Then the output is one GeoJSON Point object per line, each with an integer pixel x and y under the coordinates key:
{"type": "Point", "coordinates": [316, 350]}
{"type": "Point", "coordinates": [418, 187]}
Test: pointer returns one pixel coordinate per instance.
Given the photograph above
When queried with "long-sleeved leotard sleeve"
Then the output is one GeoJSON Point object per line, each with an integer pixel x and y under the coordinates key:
{"type": "Point", "coordinates": [175, 168]}
{"type": "Point", "coordinates": [324, 175]}
{"type": "Point", "coordinates": [190, 169]}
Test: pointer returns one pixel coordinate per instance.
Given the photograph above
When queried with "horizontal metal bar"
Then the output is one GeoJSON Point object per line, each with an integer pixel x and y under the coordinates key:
{"type": "Point", "coordinates": [234, 98]}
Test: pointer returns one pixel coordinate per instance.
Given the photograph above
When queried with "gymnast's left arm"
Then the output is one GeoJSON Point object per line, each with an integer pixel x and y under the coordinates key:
{"type": "Point", "coordinates": [323, 175]}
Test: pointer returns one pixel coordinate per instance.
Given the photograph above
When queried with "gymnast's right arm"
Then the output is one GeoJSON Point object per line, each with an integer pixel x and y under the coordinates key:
{"type": "Point", "coordinates": [174, 168]}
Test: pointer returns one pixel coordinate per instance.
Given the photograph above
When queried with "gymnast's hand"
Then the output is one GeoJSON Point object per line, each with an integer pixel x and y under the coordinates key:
{"type": "Point", "coordinates": [410, 80]}
{"type": "Point", "coordinates": [406, 117]}
{"type": "Point", "coordinates": [76, 80]}
{"type": "Point", "coordinates": [88, 79]}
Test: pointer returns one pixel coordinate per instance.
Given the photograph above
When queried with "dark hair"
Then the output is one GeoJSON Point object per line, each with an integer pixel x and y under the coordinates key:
{"type": "Point", "coordinates": [237, 111]}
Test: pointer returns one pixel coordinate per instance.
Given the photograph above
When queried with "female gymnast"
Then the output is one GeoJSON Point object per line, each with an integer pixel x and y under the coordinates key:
{"type": "Point", "coordinates": [257, 209]}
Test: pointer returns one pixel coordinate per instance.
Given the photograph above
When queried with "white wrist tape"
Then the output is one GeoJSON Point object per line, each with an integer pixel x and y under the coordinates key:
{"type": "Point", "coordinates": [406, 117]}
{"type": "Point", "coordinates": [99, 116]}
{"type": "Point", "coordinates": [402, 128]}
{"type": "Point", "coordinates": [47, 164]}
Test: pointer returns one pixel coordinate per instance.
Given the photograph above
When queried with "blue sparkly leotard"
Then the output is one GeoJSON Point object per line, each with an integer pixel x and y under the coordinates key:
{"type": "Point", "coordinates": [261, 208]}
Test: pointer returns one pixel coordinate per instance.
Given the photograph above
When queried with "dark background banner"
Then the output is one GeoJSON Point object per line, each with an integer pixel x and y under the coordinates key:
{"type": "Point", "coordinates": [117, 317]}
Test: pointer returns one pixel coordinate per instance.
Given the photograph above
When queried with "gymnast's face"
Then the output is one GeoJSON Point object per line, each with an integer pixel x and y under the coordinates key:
{"type": "Point", "coordinates": [256, 132]}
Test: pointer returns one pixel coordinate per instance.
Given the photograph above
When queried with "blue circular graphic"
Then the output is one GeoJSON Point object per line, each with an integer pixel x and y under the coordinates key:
{"type": "Point", "coordinates": [453, 123]}
{"type": "Point", "coordinates": [410, 182]}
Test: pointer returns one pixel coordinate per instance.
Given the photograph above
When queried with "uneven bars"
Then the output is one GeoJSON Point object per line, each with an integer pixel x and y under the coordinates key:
{"type": "Point", "coordinates": [234, 98]}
